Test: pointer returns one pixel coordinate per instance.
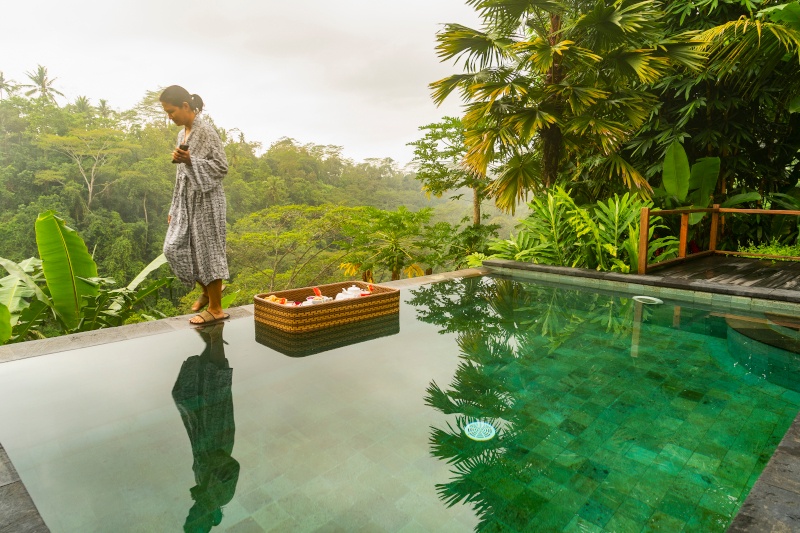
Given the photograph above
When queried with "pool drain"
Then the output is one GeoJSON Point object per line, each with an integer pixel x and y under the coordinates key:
{"type": "Point", "coordinates": [648, 300]}
{"type": "Point", "coordinates": [479, 431]}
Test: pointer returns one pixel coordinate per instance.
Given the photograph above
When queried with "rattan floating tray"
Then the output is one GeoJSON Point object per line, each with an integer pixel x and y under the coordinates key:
{"type": "Point", "coordinates": [322, 340]}
{"type": "Point", "coordinates": [298, 319]}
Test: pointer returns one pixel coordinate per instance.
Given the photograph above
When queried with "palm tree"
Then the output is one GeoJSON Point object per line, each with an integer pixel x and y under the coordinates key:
{"type": "Point", "coordinates": [752, 49]}
{"type": "Point", "coordinates": [5, 85]}
{"type": "Point", "coordinates": [82, 105]}
{"type": "Point", "coordinates": [548, 82]}
{"type": "Point", "coordinates": [41, 84]}
{"type": "Point", "coordinates": [103, 111]}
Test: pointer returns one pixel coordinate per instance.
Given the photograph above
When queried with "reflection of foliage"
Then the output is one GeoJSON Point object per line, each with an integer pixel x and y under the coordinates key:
{"type": "Point", "coordinates": [506, 330]}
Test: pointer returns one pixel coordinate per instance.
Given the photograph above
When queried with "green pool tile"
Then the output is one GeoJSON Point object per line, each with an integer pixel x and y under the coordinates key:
{"type": "Point", "coordinates": [548, 449]}
{"type": "Point", "coordinates": [691, 487]}
{"type": "Point", "coordinates": [706, 521]}
{"type": "Point", "coordinates": [584, 447]}
{"type": "Point", "coordinates": [555, 520]}
{"type": "Point", "coordinates": [648, 493]}
{"type": "Point", "coordinates": [619, 482]}
{"type": "Point", "coordinates": [677, 506]}
{"type": "Point", "coordinates": [702, 464]}
{"type": "Point", "coordinates": [609, 497]}
{"type": "Point", "coordinates": [596, 513]}
{"type": "Point", "coordinates": [662, 522]}
{"type": "Point", "coordinates": [545, 487]}
{"type": "Point", "coordinates": [572, 427]}
{"type": "Point", "coordinates": [621, 524]}
{"type": "Point", "coordinates": [672, 458]}
{"type": "Point", "coordinates": [583, 485]}
{"type": "Point", "coordinates": [736, 467]}
{"type": "Point", "coordinates": [558, 474]}
{"type": "Point", "coordinates": [791, 397]}
{"type": "Point", "coordinates": [641, 455]}
{"type": "Point", "coordinates": [580, 525]}
{"type": "Point", "coordinates": [720, 502]}
{"type": "Point", "coordinates": [559, 438]}
{"type": "Point", "coordinates": [633, 510]}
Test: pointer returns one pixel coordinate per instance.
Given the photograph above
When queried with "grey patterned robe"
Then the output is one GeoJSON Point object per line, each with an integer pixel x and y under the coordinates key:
{"type": "Point", "coordinates": [195, 241]}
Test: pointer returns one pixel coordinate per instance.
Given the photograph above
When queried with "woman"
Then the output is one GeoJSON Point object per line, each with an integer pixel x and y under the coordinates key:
{"type": "Point", "coordinates": [195, 241]}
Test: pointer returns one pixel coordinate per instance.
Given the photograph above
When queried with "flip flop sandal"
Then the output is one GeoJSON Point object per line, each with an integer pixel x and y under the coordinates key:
{"type": "Point", "coordinates": [208, 319]}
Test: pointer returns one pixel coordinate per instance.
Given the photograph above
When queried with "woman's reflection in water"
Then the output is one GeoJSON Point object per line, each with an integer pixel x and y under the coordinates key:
{"type": "Point", "coordinates": [202, 394]}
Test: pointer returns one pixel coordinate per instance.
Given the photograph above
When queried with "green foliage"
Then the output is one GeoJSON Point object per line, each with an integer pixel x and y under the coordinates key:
{"type": "Point", "coordinates": [790, 251]}
{"type": "Point", "coordinates": [67, 266]}
{"type": "Point", "coordinates": [5, 324]}
{"type": "Point", "coordinates": [554, 90]}
{"type": "Point", "coordinates": [386, 241]}
{"type": "Point", "coordinates": [604, 236]}
{"type": "Point", "coordinates": [65, 282]}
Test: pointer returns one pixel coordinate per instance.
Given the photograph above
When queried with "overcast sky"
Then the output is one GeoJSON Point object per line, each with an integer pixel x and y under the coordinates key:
{"type": "Point", "coordinates": [353, 73]}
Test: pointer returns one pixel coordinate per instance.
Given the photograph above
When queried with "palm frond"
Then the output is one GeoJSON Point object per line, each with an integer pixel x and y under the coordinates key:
{"type": "Point", "coordinates": [518, 176]}
{"type": "Point", "coordinates": [478, 50]}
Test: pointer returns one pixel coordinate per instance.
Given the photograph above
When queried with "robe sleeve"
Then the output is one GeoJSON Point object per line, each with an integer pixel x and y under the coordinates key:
{"type": "Point", "coordinates": [209, 164]}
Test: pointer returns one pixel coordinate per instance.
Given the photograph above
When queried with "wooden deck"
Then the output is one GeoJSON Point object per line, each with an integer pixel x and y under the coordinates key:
{"type": "Point", "coordinates": [733, 271]}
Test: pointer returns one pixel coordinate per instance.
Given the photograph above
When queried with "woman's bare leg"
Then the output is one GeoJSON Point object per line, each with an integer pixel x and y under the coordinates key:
{"type": "Point", "coordinates": [214, 292]}
{"type": "Point", "coordinates": [201, 301]}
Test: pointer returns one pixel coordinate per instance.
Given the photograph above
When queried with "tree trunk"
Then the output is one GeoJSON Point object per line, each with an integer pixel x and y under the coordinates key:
{"type": "Point", "coordinates": [476, 207]}
{"type": "Point", "coordinates": [552, 142]}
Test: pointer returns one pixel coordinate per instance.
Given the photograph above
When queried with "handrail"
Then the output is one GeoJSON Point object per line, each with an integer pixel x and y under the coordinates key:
{"type": "Point", "coordinates": [644, 232]}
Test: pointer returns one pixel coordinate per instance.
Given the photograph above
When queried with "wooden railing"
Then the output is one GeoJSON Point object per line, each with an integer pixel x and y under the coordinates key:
{"type": "Point", "coordinates": [716, 211]}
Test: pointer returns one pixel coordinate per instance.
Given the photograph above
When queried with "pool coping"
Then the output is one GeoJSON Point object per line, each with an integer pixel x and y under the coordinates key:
{"type": "Point", "coordinates": [771, 505]}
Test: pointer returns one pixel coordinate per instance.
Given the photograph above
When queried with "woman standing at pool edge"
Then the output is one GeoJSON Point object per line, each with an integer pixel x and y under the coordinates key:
{"type": "Point", "coordinates": [195, 241]}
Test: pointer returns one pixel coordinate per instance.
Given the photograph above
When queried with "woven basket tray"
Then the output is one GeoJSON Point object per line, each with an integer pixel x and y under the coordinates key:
{"type": "Point", "coordinates": [322, 340]}
{"type": "Point", "coordinates": [299, 319]}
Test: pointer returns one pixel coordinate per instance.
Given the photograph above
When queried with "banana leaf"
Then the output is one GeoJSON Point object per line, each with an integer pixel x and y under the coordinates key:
{"type": "Point", "coordinates": [5, 324]}
{"type": "Point", "coordinates": [154, 264]}
{"type": "Point", "coordinates": [18, 271]}
{"type": "Point", "coordinates": [65, 260]}
{"type": "Point", "coordinates": [675, 174]}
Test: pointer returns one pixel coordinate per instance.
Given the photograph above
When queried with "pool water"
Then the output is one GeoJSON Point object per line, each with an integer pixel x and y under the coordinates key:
{"type": "Point", "coordinates": [610, 415]}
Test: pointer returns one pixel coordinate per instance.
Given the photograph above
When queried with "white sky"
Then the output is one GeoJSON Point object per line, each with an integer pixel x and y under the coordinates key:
{"type": "Point", "coordinates": [352, 73]}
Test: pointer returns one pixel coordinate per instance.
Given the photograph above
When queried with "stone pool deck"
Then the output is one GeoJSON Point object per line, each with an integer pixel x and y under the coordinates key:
{"type": "Point", "coordinates": [774, 502]}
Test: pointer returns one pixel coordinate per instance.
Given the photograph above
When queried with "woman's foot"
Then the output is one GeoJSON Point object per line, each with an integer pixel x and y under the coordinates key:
{"type": "Point", "coordinates": [200, 303]}
{"type": "Point", "coordinates": [207, 317]}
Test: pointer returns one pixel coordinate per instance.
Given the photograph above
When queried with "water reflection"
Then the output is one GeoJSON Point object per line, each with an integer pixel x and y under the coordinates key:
{"type": "Point", "coordinates": [599, 403]}
{"type": "Point", "coordinates": [202, 394]}
{"type": "Point", "coordinates": [506, 330]}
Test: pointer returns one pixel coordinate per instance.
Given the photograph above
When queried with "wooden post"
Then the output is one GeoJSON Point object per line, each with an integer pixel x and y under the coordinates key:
{"type": "Point", "coordinates": [684, 234]}
{"type": "Point", "coordinates": [712, 240]}
{"type": "Point", "coordinates": [644, 238]}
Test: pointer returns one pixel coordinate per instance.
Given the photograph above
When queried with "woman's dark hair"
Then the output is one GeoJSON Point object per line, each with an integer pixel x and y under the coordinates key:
{"type": "Point", "coordinates": [177, 95]}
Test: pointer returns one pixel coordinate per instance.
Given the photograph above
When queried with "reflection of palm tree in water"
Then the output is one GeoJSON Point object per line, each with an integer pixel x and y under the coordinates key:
{"type": "Point", "coordinates": [202, 394]}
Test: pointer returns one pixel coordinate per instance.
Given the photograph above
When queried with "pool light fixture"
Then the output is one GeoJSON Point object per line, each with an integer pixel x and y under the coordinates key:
{"type": "Point", "coordinates": [648, 300]}
{"type": "Point", "coordinates": [480, 431]}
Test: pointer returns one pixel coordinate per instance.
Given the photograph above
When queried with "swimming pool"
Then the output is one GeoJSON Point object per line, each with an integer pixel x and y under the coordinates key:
{"type": "Point", "coordinates": [610, 416]}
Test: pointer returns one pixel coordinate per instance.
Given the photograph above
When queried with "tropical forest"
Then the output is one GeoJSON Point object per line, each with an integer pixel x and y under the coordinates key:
{"type": "Point", "coordinates": [575, 115]}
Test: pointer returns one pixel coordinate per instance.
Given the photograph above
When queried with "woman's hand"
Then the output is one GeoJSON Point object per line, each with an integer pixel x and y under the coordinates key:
{"type": "Point", "coordinates": [181, 156]}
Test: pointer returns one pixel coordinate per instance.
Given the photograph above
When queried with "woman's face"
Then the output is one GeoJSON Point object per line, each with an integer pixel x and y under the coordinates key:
{"type": "Point", "coordinates": [182, 116]}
